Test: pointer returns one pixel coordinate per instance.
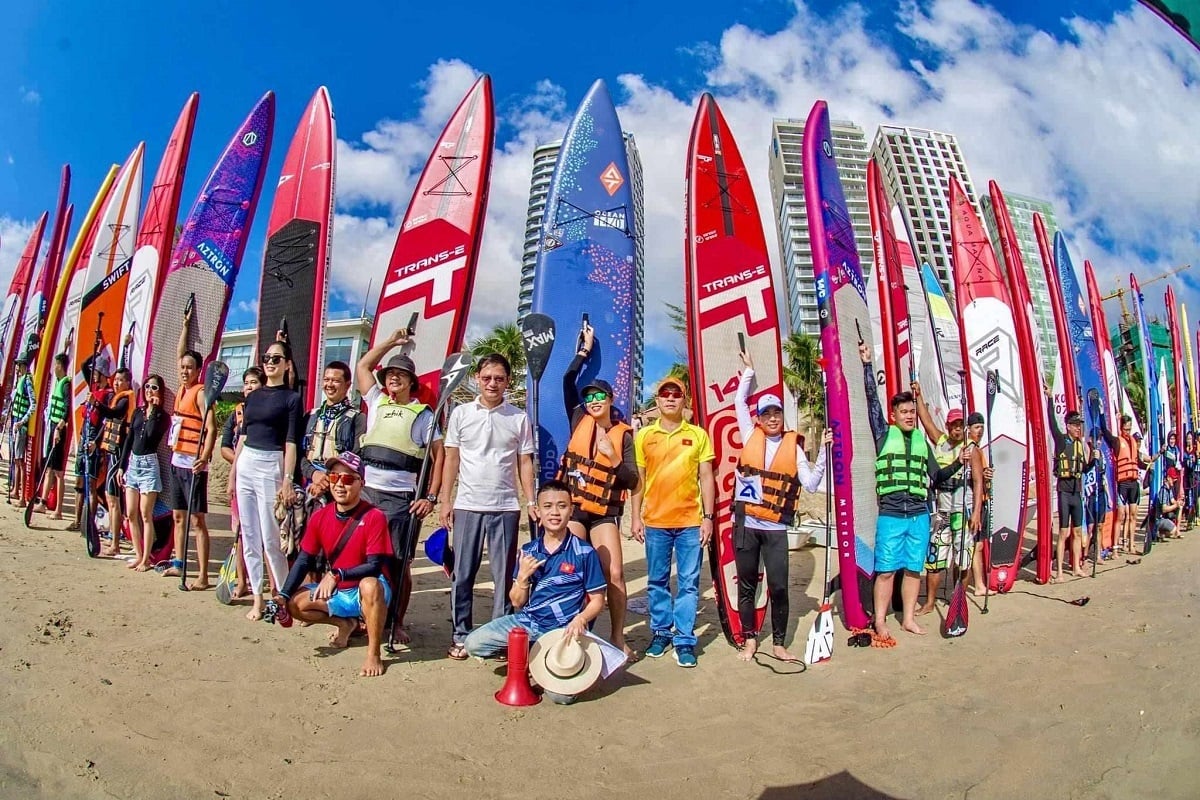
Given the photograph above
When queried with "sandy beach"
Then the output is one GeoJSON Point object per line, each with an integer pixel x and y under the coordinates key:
{"type": "Point", "coordinates": [119, 685]}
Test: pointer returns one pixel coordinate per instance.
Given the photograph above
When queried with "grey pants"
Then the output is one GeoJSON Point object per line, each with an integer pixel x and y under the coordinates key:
{"type": "Point", "coordinates": [471, 530]}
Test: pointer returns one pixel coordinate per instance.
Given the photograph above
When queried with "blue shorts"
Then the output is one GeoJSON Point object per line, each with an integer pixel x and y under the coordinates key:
{"type": "Point", "coordinates": [901, 543]}
{"type": "Point", "coordinates": [345, 602]}
{"type": "Point", "coordinates": [142, 474]}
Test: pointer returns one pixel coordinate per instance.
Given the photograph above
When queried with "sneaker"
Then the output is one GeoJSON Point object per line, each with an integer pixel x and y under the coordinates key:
{"type": "Point", "coordinates": [685, 656]}
{"type": "Point", "coordinates": [658, 646]}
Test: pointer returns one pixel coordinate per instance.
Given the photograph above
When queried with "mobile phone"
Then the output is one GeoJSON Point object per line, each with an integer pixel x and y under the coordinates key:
{"type": "Point", "coordinates": [741, 342]}
{"type": "Point", "coordinates": [412, 323]}
{"type": "Point", "coordinates": [583, 323]}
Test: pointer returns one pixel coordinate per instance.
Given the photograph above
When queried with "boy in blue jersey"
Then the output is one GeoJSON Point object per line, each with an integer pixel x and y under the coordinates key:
{"type": "Point", "coordinates": [558, 581]}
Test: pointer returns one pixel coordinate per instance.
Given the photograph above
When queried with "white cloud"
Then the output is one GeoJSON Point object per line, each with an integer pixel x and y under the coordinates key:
{"type": "Point", "coordinates": [249, 307]}
{"type": "Point", "coordinates": [1100, 122]}
{"type": "Point", "coordinates": [29, 96]}
{"type": "Point", "coordinates": [14, 233]}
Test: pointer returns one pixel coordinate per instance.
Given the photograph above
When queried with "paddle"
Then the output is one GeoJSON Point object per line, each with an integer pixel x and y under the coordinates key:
{"type": "Point", "coordinates": [215, 375]}
{"type": "Point", "coordinates": [44, 467]}
{"type": "Point", "coordinates": [819, 646]}
{"type": "Point", "coordinates": [537, 339]}
{"type": "Point", "coordinates": [956, 614]}
{"type": "Point", "coordinates": [454, 371]}
{"type": "Point", "coordinates": [993, 389]}
{"type": "Point", "coordinates": [86, 521]}
{"type": "Point", "coordinates": [1094, 414]}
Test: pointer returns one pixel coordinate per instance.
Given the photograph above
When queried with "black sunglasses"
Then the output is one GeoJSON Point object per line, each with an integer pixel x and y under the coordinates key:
{"type": "Point", "coordinates": [272, 358]}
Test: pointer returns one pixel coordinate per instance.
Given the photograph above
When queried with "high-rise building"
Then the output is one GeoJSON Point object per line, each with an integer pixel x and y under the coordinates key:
{"type": "Point", "coordinates": [916, 166]}
{"type": "Point", "coordinates": [1021, 209]}
{"type": "Point", "coordinates": [787, 201]}
{"type": "Point", "coordinates": [544, 158]}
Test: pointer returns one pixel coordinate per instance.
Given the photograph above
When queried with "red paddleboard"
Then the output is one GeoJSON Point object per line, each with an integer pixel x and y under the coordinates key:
{"type": "Point", "coordinates": [893, 299]}
{"type": "Point", "coordinates": [14, 305]}
{"type": "Point", "coordinates": [432, 269]}
{"type": "Point", "coordinates": [1032, 372]}
{"type": "Point", "coordinates": [988, 339]}
{"type": "Point", "coordinates": [1108, 370]}
{"type": "Point", "coordinates": [729, 291]}
{"type": "Point", "coordinates": [295, 277]}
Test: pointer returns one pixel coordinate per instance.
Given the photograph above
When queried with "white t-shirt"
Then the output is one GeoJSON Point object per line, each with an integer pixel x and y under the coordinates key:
{"type": "Point", "coordinates": [395, 480]}
{"type": "Point", "coordinates": [489, 440]}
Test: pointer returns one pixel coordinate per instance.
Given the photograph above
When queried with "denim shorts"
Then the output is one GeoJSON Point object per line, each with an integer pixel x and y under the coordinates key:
{"type": "Point", "coordinates": [143, 475]}
{"type": "Point", "coordinates": [901, 543]}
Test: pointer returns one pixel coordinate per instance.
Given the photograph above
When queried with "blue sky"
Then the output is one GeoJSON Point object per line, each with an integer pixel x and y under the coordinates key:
{"type": "Point", "coordinates": [83, 84]}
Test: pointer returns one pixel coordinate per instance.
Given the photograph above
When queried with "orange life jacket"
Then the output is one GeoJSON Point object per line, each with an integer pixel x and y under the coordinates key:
{"type": "Point", "coordinates": [592, 476]}
{"type": "Point", "coordinates": [1127, 459]}
{"type": "Point", "coordinates": [113, 434]}
{"type": "Point", "coordinates": [780, 484]}
{"type": "Point", "coordinates": [191, 424]}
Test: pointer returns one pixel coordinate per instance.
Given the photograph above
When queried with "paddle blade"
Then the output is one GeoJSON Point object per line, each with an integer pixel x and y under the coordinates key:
{"type": "Point", "coordinates": [215, 376]}
{"type": "Point", "coordinates": [819, 646]}
{"type": "Point", "coordinates": [537, 337]}
{"type": "Point", "coordinates": [454, 371]}
{"type": "Point", "coordinates": [956, 615]}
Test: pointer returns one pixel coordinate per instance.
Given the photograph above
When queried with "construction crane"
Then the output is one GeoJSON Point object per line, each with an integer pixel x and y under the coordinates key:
{"type": "Point", "coordinates": [1120, 291]}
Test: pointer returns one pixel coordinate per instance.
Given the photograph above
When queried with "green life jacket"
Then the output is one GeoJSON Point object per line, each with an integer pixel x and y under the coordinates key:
{"type": "Point", "coordinates": [20, 403]}
{"type": "Point", "coordinates": [903, 464]}
{"type": "Point", "coordinates": [389, 443]}
{"type": "Point", "coordinates": [1069, 463]}
{"type": "Point", "coordinates": [59, 407]}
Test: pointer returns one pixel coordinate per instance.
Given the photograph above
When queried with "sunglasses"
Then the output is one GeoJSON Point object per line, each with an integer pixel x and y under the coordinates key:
{"type": "Point", "coordinates": [670, 394]}
{"type": "Point", "coordinates": [595, 397]}
{"type": "Point", "coordinates": [151, 388]}
{"type": "Point", "coordinates": [271, 358]}
{"type": "Point", "coordinates": [492, 378]}
{"type": "Point", "coordinates": [342, 478]}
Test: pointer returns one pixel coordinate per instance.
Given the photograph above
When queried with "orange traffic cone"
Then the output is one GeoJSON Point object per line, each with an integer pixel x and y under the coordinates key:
{"type": "Point", "coordinates": [516, 690]}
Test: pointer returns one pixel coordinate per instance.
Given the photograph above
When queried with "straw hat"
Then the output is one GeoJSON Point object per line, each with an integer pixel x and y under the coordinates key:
{"type": "Point", "coordinates": [564, 665]}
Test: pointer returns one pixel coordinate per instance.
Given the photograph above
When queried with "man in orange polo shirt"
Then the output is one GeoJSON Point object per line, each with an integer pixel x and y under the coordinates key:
{"type": "Point", "coordinates": [673, 514]}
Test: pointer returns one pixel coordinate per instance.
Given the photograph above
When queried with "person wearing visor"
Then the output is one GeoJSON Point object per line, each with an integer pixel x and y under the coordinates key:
{"type": "Point", "coordinates": [1072, 457]}
{"type": "Point", "coordinates": [772, 469]}
{"type": "Point", "coordinates": [600, 468]}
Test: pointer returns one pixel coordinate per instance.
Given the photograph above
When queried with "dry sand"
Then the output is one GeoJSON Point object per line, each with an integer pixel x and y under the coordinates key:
{"type": "Point", "coordinates": [118, 685]}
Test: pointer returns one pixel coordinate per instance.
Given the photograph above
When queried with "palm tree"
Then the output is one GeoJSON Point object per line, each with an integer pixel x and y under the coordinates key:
{"type": "Point", "coordinates": [506, 340]}
{"type": "Point", "coordinates": [802, 374]}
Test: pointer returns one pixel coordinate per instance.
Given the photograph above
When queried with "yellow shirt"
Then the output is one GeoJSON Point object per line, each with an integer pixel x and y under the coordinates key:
{"type": "Point", "coordinates": [671, 496]}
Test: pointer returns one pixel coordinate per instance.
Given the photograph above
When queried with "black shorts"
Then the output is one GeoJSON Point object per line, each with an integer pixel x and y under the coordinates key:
{"type": "Point", "coordinates": [395, 506]}
{"type": "Point", "coordinates": [92, 461]}
{"type": "Point", "coordinates": [589, 520]}
{"type": "Point", "coordinates": [57, 460]}
{"type": "Point", "coordinates": [181, 483]}
{"type": "Point", "coordinates": [1070, 510]}
{"type": "Point", "coordinates": [1129, 493]}
{"type": "Point", "coordinates": [111, 487]}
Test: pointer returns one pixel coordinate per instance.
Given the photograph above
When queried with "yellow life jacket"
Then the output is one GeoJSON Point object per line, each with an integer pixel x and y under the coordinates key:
{"type": "Point", "coordinates": [389, 443]}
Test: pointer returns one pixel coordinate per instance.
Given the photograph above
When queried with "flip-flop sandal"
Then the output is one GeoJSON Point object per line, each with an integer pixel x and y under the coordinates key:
{"type": "Point", "coordinates": [457, 652]}
{"type": "Point", "coordinates": [1133, 562]}
{"type": "Point", "coordinates": [883, 642]}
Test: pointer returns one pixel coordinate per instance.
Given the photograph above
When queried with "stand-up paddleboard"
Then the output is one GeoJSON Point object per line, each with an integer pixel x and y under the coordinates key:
{"type": "Point", "coordinates": [1112, 385]}
{"type": "Point", "coordinates": [106, 278]}
{"type": "Point", "coordinates": [842, 309]}
{"type": "Point", "coordinates": [1092, 389]}
{"type": "Point", "coordinates": [51, 327]}
{"type": "Point", "coordinates": [14, 304]}
{"type": "Point", "coordinates": [1062, 365]}
{"type": "Point", "coordinates": [881, 320]}
{"type": "Point", "coordinates": [432, 269]}
{"type": "Point", "coordinates": [1155, 439]}
{"type": "Point", "coordinates": [897, 355]}
{"type": "Point", "coordinates": [1178, 401]}
{"type": "Point", "coordinates": [154, 240]}
{"type": "Point", "coordinates": [205, 262]}
{"type": "Point", "coordinates": [586, 265]}
{"type": "Point", "coordinates": [1032, 372]}
{"type": "Point", "coordinates": [945, 336]}
{"type": "Point", "coordinates": [729, 292]}
{"type": "Point", "coordinates": [1189, 384]}
{"type": "Point", "coordinates": [295, 277]}
{"type": "Point", "coordinates": [988, 341]}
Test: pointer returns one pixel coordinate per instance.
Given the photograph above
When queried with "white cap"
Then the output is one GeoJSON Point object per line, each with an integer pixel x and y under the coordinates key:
{"type": "Point", "coordinates": [769, 401]}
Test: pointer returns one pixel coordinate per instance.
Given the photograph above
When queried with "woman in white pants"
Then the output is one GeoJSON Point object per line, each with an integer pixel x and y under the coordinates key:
{"type": "Point", "coordinates": [264, 465]}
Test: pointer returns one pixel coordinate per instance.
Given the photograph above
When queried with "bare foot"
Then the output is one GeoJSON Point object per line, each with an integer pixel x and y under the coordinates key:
{"type": "Point", "coordinates": [58, 517]}
{"type": "Point", "coordinates": [341, 637]}
{"type": "Point", "coordinates": [631, 655]}
{"type": "Point", "coordinates": [912, 627]}
{"type": "Point", "coordinates": [925, 609]}
{"type": "Point", "coordinates": [240, 591]}
{"type": "Point", "coordinates": [171, 572]}
{"type": "Point", "coordinates": [881, 630]}
{"type": "Point", "coordinates": [749, 648]}
{"type": "Point", "coordinates": [142, 568]}
{"type": "Point", "coordinates": [401, 638]}
{"type": "Point", "coordinates": [255, 613]}
{"type": "Point", "coordinates": [1079, 574]}
{"type": "Point", "coordinates": [198, 586]}
{"type": "Point", "coordinates": [782, 653]}
{"type": "Point", "coordinates": [981, 590]}
{"type": "Point", "coordinates": [372, 667]}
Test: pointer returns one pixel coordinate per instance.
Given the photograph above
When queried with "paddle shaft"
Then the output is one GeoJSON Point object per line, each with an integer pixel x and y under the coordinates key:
{"type": "Point", "coordinates": [86, 519]}
{"type": "Point", "coordinates": [987, 563]}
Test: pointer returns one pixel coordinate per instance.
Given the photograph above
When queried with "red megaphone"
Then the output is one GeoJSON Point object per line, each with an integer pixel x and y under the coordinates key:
{"type": "Point", "coordinates": [516, 690]}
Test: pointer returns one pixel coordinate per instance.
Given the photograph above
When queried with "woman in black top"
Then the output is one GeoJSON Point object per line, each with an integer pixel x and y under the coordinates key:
{"type": "Point", "coordinates": [139, 473]}
{"type": "Point", "coordinates": [599, 467]}
{"type": "Point", "coordinates": [264, 463]}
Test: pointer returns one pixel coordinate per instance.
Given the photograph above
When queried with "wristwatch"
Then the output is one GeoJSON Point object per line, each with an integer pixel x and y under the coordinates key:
{"type": "Point", "coordinates": [431, 499]}
{"type": "Point", "coordinates": [708, 516]}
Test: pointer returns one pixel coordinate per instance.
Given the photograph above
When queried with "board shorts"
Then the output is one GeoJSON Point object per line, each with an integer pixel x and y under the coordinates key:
{"type": "Point", "coordinates": [346, 602]}
{"type": "Point", "coordinates": [1129, 493]}
{"type": "Point", "coordinates": [181, 484]}
{"type": "Point", "coordinates": [901, 543]}
{"type": "Point", "coordinates": [589, 520]}
{"type": "Point", "coordinates": [143, 475]}
{"type": "Point", "coordinates": [20, 442]}
{"type": "Point", "coordinates": [57, 459]}
{"type": "Point", "coordinates": [1070, 510]}
{"type": "Point", "coordinates": [1165, 526]}
{"type": "Point", "coordinates": [93, 461]}
{"type": "Point", "coordinates": [947, 537]}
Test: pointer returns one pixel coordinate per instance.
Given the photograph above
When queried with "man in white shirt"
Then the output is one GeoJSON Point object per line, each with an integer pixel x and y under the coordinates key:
{"type": "Point", "coordinates": [489, 443]}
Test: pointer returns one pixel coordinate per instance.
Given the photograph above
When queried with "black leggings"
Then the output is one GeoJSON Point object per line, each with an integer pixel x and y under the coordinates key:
{"type": "Point", "coordinates": [772, 546]}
